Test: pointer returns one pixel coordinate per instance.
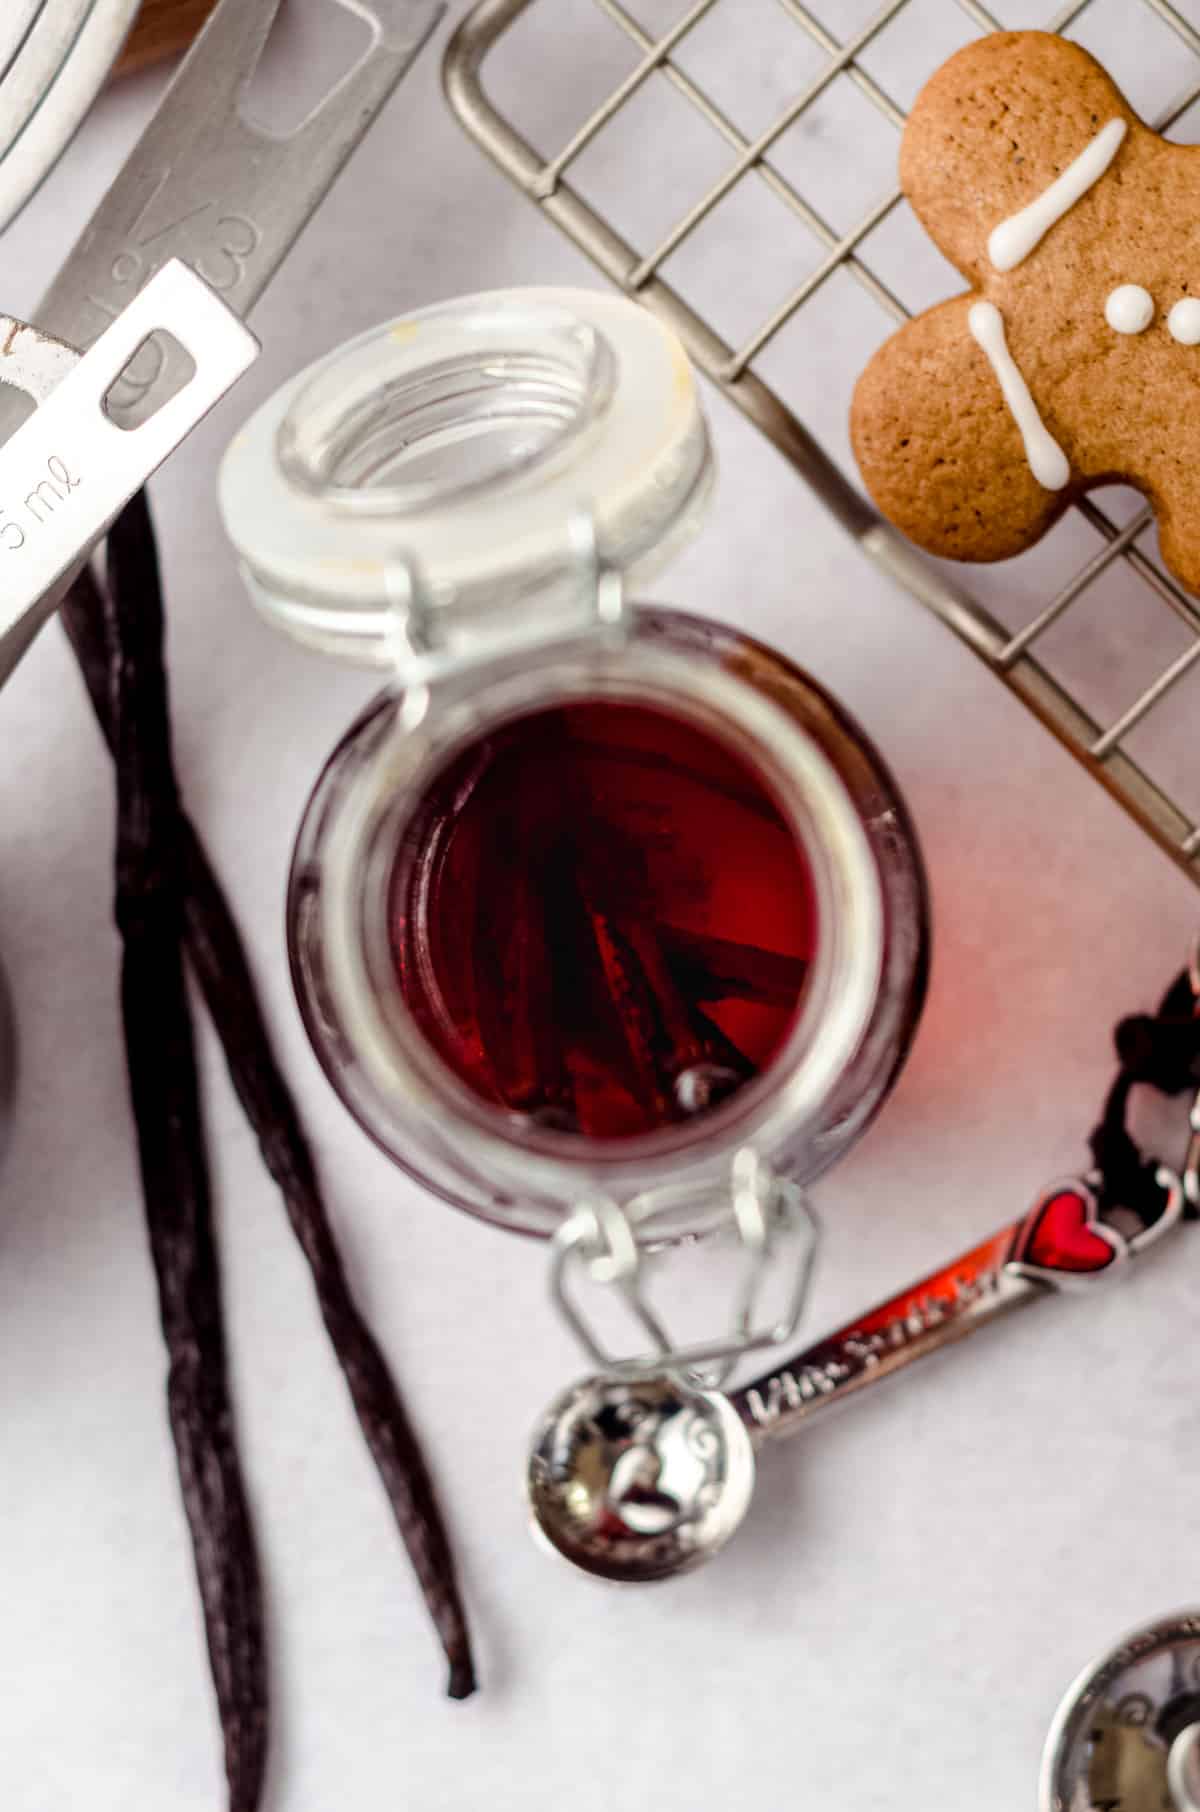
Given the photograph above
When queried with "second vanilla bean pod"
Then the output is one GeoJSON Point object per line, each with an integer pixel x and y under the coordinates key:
{"type": "Point", "coordinates": [218, 961]}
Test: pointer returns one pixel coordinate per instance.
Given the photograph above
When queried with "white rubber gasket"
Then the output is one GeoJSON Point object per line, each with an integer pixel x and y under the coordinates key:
{"type": "Point", "coordinates": [54, 58]}
{"type": "Point", "coordinates": [15, 26]}
{"type": "Point", "coordinates": [321, 556]}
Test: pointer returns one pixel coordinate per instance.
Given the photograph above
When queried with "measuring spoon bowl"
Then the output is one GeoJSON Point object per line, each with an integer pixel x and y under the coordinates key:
{"type": "Point", "coordinates": [637, 1479]}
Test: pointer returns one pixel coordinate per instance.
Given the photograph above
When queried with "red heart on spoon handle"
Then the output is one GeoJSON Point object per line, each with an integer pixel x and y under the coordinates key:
{"type": "Point", "coordinates": [1063, 1237]}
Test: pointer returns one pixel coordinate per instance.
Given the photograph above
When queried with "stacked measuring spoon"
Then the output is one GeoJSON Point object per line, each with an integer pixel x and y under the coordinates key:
{"type": "Point", "coordinates": [54, 57]}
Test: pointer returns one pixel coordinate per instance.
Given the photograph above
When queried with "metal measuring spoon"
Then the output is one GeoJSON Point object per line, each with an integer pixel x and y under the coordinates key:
{"type": "Point", "coordinates": [639, 1478]}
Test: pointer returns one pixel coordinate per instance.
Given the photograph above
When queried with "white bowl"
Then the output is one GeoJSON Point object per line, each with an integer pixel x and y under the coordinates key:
{"type": "Point", "coordinates": [54, 57]}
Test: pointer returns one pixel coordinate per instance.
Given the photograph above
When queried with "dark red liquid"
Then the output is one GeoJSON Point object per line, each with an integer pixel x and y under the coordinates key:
{"type": "Point", "coordinates": [601, 920]}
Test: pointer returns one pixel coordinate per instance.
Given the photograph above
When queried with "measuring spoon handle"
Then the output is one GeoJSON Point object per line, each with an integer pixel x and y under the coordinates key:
{"type": "Point", "coordinates": [963, 1296]}
{"type": "Point", "coordinates": [1061, 1244]}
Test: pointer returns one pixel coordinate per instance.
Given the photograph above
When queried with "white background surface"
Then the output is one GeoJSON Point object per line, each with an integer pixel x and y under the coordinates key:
{"type": "Point", "coordinates": [919, 1580]}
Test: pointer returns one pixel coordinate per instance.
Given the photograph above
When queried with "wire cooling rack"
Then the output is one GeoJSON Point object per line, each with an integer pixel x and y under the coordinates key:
{"type": "Point", "coordinates": [1090, 631]}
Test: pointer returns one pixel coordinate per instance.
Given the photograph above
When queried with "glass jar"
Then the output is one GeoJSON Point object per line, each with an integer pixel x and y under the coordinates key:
{"type": "Point", "coordinates": [594, 897]}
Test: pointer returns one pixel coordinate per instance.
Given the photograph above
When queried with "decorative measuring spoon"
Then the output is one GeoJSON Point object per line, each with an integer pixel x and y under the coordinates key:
{"type": "Point", "coordinates": [636, 1478]}
{"type": "Point", "coordinates": [1127, 1736]}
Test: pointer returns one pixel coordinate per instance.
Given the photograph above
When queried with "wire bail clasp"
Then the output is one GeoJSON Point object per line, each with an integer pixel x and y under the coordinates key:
{"type": "Point", "coordinates": [419, 649]}
{"type": "Point", "coordinates": [775, 1226]}
{"type": "Point", "coordinates": [597, 577]}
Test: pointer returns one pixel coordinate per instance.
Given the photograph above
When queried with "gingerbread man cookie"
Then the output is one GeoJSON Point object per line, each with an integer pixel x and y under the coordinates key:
{"type": "Point", "coordinates": [1074, 360]}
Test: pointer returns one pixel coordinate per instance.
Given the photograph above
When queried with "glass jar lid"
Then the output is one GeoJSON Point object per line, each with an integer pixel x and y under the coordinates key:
{"type": "Point", "coordinates": [448, 487]}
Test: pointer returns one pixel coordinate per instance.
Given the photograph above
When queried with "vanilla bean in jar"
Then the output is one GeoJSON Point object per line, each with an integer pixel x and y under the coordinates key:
{"type": "Point", "coordinates": [596, 894]}
{"type": "Point", "coordinates": [601, 919]}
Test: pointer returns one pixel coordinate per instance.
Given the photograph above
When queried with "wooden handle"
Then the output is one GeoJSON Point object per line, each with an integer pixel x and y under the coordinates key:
{"type": "Point", "coordinates": [163, 28]}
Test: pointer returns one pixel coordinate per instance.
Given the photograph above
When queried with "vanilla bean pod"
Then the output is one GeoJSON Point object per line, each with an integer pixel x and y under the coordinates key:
{"type": "Point", "coordinates": [164, 1089]}
{"type": "Point", "coordinates": [218, 961]}
{"type": "Point", "coordinates": [217, 958]}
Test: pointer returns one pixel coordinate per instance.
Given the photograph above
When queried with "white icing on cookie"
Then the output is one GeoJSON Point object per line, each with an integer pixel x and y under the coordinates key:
{"type": "Point", "coordinates": [1047, 461]}
{"type": "Point", "coordinates": [1129, 309]}
{"type": "Point", "coordinates": [1014, 239]}
{"type": "Point", "coordinates": [1183, 322]}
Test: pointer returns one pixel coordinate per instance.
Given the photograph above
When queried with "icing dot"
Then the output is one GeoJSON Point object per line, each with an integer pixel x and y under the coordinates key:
{"type": "Point", "coordinates": [1129, 309]}
{"type": "Point", "coordinates": [1183, 322]}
